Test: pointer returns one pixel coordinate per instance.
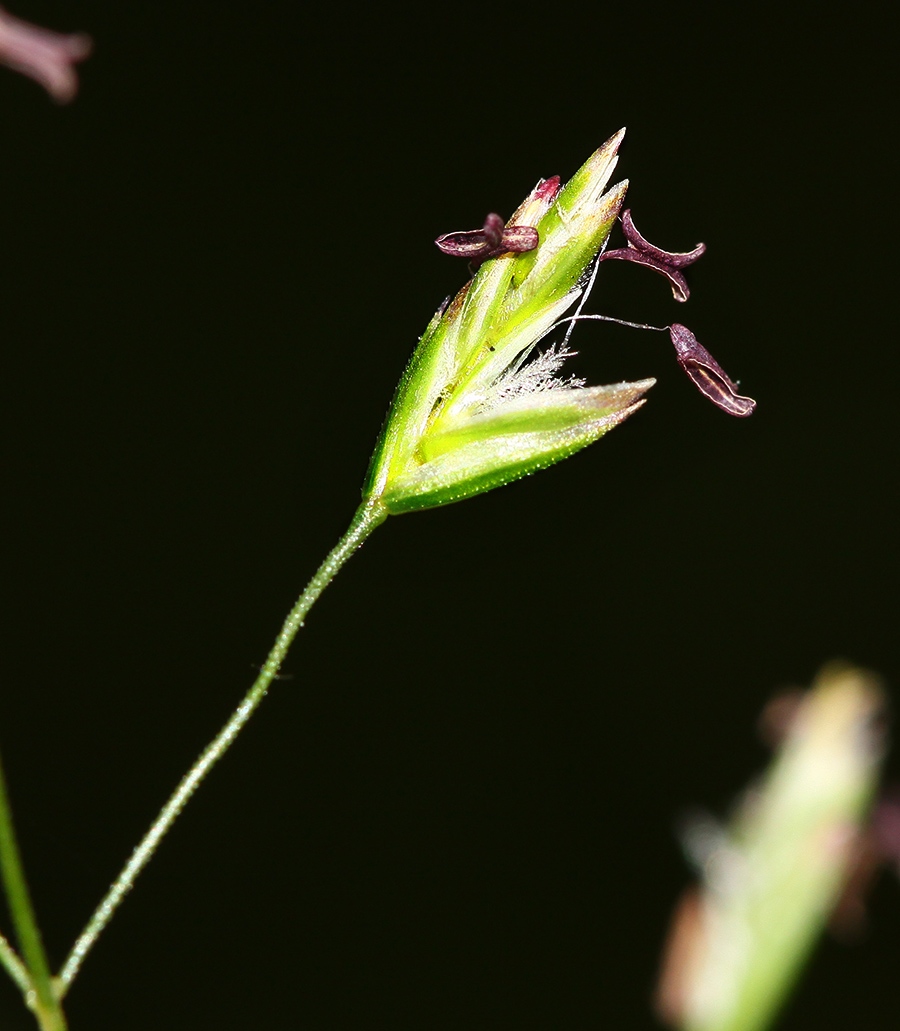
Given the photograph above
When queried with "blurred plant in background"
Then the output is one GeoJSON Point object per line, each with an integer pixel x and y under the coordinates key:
{"type": "Point", "coordinates": [772, 878]}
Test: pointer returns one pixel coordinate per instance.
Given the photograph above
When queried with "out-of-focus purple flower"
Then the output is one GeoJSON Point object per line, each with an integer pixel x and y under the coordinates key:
{"type": "Point", "coordinates": [45, 56]}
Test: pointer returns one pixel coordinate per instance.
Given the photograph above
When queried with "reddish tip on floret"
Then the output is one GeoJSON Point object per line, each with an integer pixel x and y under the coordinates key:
{"type": "Point", "coordinates": [547, 189]}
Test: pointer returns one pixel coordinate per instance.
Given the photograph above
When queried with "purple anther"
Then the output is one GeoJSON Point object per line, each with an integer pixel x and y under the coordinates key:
{"type": "Point", "coordinates": [666, 263]}
{"type": "Point", "coordinates": [706, 374]}
{"type": "Point", "coordinates": [492, 240]}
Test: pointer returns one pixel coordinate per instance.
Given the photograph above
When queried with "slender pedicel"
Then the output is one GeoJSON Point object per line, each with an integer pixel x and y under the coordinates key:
{"type": "Point", "coordinates": [368, 516]}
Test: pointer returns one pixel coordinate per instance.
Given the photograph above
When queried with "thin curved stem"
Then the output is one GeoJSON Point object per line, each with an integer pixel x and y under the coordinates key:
{"type": "Point", "coordinates": [369, 515]}
{"type": "Point", "coordinates": [38, 983]}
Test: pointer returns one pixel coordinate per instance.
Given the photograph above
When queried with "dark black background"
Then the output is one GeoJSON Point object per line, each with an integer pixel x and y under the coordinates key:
{"type": "Point", "coordinates": [460, 810]}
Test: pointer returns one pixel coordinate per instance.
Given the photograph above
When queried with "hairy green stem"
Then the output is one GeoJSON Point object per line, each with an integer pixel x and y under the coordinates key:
{"type": "Point", "coordinates": [369, 515]}
{"type": "Point", "coordinates": [38, 983]}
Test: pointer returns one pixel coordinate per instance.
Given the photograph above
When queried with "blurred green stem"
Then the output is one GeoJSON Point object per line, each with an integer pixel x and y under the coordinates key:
{"type": "Point", "coordinates": [369, 515]}
{"type": "Point", "coordinates": [33, 977]}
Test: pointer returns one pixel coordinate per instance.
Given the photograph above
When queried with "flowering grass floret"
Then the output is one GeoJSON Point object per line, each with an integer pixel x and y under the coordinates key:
{"type": "Point", "coordinates": [477, 407]}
